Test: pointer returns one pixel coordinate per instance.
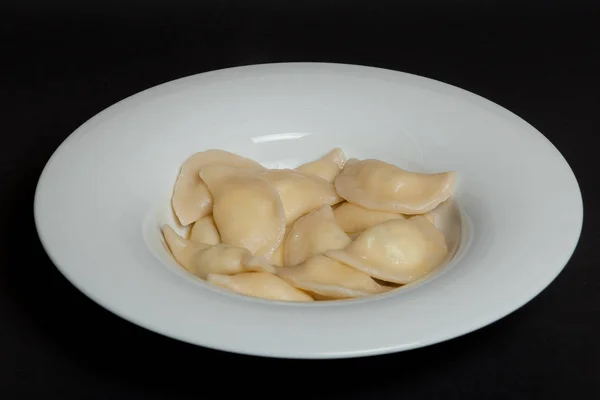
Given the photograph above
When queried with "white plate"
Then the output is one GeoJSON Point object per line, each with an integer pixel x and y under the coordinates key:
{"type": "Point", "coordinates": [106, 189]}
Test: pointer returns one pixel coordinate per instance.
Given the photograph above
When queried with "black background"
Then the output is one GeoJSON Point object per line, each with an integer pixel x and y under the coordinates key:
{"type": "Point", "coordinates": [63, 61]}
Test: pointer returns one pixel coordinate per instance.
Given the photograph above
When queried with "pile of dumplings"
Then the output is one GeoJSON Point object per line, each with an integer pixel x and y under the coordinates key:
{"type": "Point", "coordinates": [334, 228]}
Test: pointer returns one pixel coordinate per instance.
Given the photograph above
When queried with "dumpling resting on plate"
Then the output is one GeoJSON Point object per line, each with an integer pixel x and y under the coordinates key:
{"type": "Point", "coordinates": [327, 167]}
{"type": "Point", "coordinates": [377, 185]}
{"type": "Point", "coordinates": [191, 199]}
{"type": "Point", "coordinates": [330, 278]}
{"type": "Point", "coordinates": [259, 284]}
{"type": "Point", "coordinates": [247, 209]}
{"type": "Point", "coordinates": [353, 218]}
{"type": "Point", "coordinates": [399, 250]}
{"type": "Point", "coordinates": [201, 259]}
{"type": "Point", "coordinates": [205, 231]}
{"type": "Point", "coordinates": [300, 193]}
{"type": "Point", "coordinates": [313, 234]}
{"type": "Point", "coordinates": [446, 218]}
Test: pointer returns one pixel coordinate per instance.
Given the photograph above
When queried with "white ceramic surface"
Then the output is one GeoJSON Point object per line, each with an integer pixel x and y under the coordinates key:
{"type": "Point", "coordinates": [105, 191]}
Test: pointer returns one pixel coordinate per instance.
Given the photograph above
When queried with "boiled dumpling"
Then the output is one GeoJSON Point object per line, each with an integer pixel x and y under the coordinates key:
{"type": "Point", "coordinates": [205, 231]}
{"type": "Point", "coordinates": [353, 218]}
{"type": "Point", "coordinates": [299, 193]}
{"type": "Point", "coordinates": [446, 218]}
{"type": "Point", "coordinates": [247, 209]}
{"type": "Point", "coordinates": [313, 234]}
{"type": "Point", "coordinates": [181, 249]}
{"type": "Point", "coordinates": [399, 250]}
{"type": "Point", "coordinates": [377, 185]}
{"type": "Point", "coordinates": [219, 173]}
{"type": "Point", "coordinates": [326, 167]}
{"type": "Point", "coordinates": [277, 257]}
{"type": "Point", "coordinates": [191, 199]}
{"type": "Point", "coordinates": [330, 278]}
{"type": "Point", "coordinates": [259, 284]}
{"type": "Point", "coordinates": [201, 259]}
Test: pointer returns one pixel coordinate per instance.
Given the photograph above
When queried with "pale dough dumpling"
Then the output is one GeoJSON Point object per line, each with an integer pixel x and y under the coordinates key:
{"type": "Point", "coordinates": [330, 278]}
{"type": "Point", "coordinates": [399, 250]}
{"type": "Point", "coordinates": [300, 193]}
{"type": "Point", "coordinates": [446, 218]}
{"type": "Point", "coordinates": [205, 231]}
{"type": "Point", "coordinates": [313, 234]}
{"type": "Point", "coordinates": [327, 167]}
{"type": "Point", "coordinates": [201, 259]}
{"type": "Point", "coordinates": [377, 185]}
{"type": "Point", "coordinates": [277, 257]}
{"type": "Point", "coordinates": [353, 218]}
{"type": "Point", "coordinates": [247, 210]}
{"type": "Point", "coordinates": [191, 199]}
{"type": "Point", "coordinates": [259, 284]}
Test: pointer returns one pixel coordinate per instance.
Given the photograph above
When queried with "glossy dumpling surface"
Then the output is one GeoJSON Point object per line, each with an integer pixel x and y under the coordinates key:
{"type": "Point", "coordinates": [259, 284]}
{"type": "Point", "coordinates": [300, 193]}
{"type": "Point", "coordinates": [313, 234]}
{"type": "Point", "coordinates": [191, 198]}
{"type": "Point", "coordinates": [377, 185]}
{"type": "Point", "coordinates": [201, 259]}
{"type": "Point", "coordinates": [330, 278]}
{"type": "Point", "coordinates": [353, 218]}
{"type": "Point", "coordinates": [399, 250]}
{"type": "Point", "coordinates": [446, 218]}
{"type": "Point", "coordinates": [205, 231]}
{"type": "Point", "coordinates": [327, 167]}
{"type": "Point", "coordinates": [277, 257]}
{"type": "Point", "coordinates": [247, 210]}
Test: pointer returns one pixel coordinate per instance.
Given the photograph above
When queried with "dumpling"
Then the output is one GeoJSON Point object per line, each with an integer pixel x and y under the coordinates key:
{"type": "Point", "coordinates": [201, 259]}
{"type": "Point", "coordinates": [181, 249]}
{"type": "Point", "coordinates": [247, 209]}
{"type": "Point", "coordinates": [353, 218]}
{"type": "Point", "coordinates": [277, 257]}
{"type": "Point", "coordinates": [313, 234]}
{"type": "Point", "coordinates": [399, 250]}
{"type": "Point", "coordinates": [377, 185]}
{"type": "Point", "coordinates": [205, 231]}
{"type": "Point", "coordinates": [299, 193]}
{"type": "Point", "coordinates": [330, 278]}
{"type": "Point", "coordinates": [191, 199]}
{"type": "Point", "coordinates": [259, 284]}
{"type": "Point", "coordinates": [446, 218]}
{"type": "Point", "coordinates": [327, 167]}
